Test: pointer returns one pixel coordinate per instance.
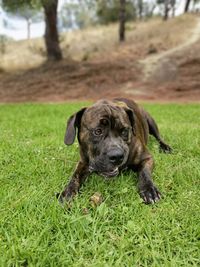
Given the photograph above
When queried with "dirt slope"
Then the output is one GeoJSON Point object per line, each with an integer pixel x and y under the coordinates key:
{"type": "Point", "coordinates": [171, 73]}
{"type": "Point", "coordinates": [159, 62]}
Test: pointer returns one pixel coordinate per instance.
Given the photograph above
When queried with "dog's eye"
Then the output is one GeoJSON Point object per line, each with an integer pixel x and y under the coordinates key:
{"type": "Point", "coordinates": [104, 122]}
{"type": "Point", "coordinates": [98, 132]}
{"type": "Point", "coordinates": [124, 133]}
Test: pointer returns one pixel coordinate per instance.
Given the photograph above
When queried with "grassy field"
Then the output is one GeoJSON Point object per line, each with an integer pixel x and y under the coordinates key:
{"type": "Point", "coordinates": [37, 231]}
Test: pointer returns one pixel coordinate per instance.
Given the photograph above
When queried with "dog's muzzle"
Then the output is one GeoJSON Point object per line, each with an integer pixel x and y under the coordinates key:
{"type": "Point", "coordinates": [116, 156]}
{"type": "Point", "coordinates": [108, 164]}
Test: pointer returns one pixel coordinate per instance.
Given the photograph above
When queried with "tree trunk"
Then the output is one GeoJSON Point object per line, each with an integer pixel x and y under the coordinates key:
{"type": "Point", "coordinates": [122, 20]}
{"type": "Point", "coordinates": [51, 31]}
{"type": "Point", "coordinates": [187, 6]}
{"type": "Point", "coordinates": [166, 11]}
{"type": "Point", "coordinates": [28, 21]}
{"type": "Point", "coordinates": [173, 4]}
{"type": "Point", "coordinates": [140, 8]}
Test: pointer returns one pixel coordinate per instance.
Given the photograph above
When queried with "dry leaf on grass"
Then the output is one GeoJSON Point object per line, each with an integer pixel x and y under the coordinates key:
{"type": "Point", "coordinates": [96, 199]}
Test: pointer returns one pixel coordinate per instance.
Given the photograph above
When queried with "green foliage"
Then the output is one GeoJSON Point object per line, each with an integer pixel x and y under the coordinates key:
{"type": "Point", "coordinates": [195, 2]}
{"type": "Point", "coordinates": [36, 231]}
{"type": "Point", "coordinates": [12, 6]}
{"type": "Point", "coordinates": [81, 14]}
{"type": "Point", "coordinates": [27, 9]}
{"type": "Point", "coordinates": [24, 8]}
{"type": "Point", "coordinates": [160, 2]}
{"type": "Point", "coordinates": [108, 11]}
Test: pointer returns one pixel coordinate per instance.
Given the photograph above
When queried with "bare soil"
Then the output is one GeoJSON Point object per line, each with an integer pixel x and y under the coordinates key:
{"type": "Point", "coordinates": [142, 73]}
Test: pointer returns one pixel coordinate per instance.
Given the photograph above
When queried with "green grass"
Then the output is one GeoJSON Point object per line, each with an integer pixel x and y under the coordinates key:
{"type": "Point", "coordinates": [36, 231]}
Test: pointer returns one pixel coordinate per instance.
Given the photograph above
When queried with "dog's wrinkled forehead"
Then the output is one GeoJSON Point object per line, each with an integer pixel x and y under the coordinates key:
{"type": "Point", "coordinates": [107, 110]}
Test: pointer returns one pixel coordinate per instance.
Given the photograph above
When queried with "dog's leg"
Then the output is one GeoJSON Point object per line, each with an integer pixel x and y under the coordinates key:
{"type": "Point", "coordinates": [153, 130]}
{"type": "Point", "coordinates": [148, 192]}
{"type": "Point", "coordinates": [75, 183]}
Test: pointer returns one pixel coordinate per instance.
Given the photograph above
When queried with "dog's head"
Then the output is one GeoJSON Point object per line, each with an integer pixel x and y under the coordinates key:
{"type": "Point", "coordinates": [105, 132]}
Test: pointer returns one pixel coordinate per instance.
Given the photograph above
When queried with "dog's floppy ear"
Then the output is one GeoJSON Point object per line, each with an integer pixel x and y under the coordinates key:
{"type": "Point", "coordinates": [131, 118]}
{"type": "Point", "coordinates": [73, 122]}
{"type": "Point", "coordinates": [123, 103]}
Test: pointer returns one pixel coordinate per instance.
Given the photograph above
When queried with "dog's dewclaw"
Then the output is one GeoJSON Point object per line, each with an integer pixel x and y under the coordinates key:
{"type": "Point", "coordinates": [96, 199]}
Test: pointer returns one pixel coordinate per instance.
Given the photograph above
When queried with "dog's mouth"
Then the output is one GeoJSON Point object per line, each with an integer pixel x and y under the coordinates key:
{"type": "Point", "coordinates": [111, 173]}
{"type": "Point", "coordinates": [106, 174]}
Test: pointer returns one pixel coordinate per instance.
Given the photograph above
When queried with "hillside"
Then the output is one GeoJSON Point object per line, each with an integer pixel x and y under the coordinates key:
{"type": "Point", "coordinates": [160, 61]}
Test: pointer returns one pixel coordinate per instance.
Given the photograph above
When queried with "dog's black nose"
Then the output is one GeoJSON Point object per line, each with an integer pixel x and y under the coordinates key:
{"type": "Point", "coordinates": [116, 156]}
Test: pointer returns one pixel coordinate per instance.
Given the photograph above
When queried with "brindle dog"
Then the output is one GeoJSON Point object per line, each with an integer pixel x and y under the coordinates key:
{"type": "Point", "coordinates": [112, 136]}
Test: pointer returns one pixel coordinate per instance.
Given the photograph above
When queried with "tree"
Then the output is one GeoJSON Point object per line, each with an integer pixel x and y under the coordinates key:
{"type": "Point", "coordinates": [166, 10]}
{"type": "Point", "coordinates": [187, 5]}
{"type": "Point", "coordinates": [51, 31]}
{"type": "Point", "coordinates": [27, 13]}
{"type": "Point", "coordinates": [122, 20]}
{"type": "Point", "coordinates": [194, 4]}
{"type": "Point", "coordinates": [140, 8]}
{"type": "Point", "coordinates": [148, 8]}
{"type": "Point", "coordinates": [24, 10]}
{"type": "Point", "coordinates": [78, 14]}
{"type": "Point", "coordinates": [50, 12]}
{"type": "Point", "coordinates": [116, 10]}
{"type": "Point", "coordinates": [173, 6]}
{"type": "Point", "coordinates": [108, 10]}
{"type": "Point", "coordinates": [168, 5]}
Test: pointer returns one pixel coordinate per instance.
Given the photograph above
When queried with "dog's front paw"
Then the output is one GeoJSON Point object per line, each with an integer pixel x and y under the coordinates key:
{"type": "Point", "coordinates": [65, 197]}
{"type": "Point", "coordinates": [149, 193]}
{"type": "Point", "coordinates": [60, 197]}
{"type": "Point", "coordinates": [165, 148]}
{"type": "Point", "coordinates": [69, 192]}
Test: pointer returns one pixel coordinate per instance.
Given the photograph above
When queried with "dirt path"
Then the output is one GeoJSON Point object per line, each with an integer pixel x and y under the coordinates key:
{"type": "Point", "coordinates": [172, 75]}
{"type": "Point", "coordinates": [162, 63]}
